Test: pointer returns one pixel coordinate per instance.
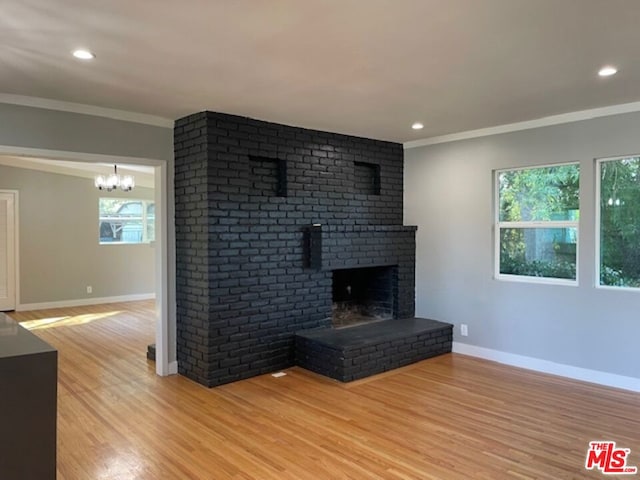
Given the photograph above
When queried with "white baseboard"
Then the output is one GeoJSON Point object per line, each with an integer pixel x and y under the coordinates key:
{"type": "Point", "coordinates": [173, 368]}
{"type": "Point", "coordinates": [23, 307]}
{"type": "Point", "coordinates": [545, 366]}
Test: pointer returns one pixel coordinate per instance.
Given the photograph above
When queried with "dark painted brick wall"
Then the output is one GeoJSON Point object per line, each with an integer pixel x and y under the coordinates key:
{"type": "Point", "coordinates": [246, 191]}
{"type": "Point", "coordinates": [192, 246]}
{"type": "Point", "coordinates": [375, 355]}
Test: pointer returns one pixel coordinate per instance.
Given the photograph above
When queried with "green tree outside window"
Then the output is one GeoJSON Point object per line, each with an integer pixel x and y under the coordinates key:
{"type": "Point", "coordinates": [619, 263]}
{"type": "Point", "coordinates": [538, 214]}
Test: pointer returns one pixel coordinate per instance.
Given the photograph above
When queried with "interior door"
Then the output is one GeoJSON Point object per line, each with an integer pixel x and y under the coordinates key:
{"type": "Point", "coordinates": [7, 251]}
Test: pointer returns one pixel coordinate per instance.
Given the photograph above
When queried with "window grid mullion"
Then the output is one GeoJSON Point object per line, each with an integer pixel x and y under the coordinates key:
{"type": "Point", "coordinates": [540, 224]}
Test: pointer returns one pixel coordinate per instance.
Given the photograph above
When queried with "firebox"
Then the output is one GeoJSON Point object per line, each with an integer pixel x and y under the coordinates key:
{"type": "Point", "coordinates": [362, 295]}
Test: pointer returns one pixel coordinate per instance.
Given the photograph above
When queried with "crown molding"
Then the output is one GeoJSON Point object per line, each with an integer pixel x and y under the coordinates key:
{"type": "Point", "coordinates": [81, 108]}
{"type": "Point", "coordinates": [530, 124]}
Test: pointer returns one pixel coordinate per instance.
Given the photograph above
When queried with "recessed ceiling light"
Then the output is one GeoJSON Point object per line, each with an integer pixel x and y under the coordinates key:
{"type": "Point", "coordinates": [417, 126]}
{"type": "Point", "coordinates": [607, 71]}
{"type": "Point", "coordinates": [83, 54]}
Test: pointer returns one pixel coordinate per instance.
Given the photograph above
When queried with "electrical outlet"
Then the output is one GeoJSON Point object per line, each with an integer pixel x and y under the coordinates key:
{"type": "Point", "coordinates": [464, 330]}
{"type": "Point", "coordinates": [89, 289]}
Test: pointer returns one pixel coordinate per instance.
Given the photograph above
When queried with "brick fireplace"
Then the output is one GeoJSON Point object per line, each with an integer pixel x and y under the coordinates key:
{"type": "Point", "coordinates": [268, 219]}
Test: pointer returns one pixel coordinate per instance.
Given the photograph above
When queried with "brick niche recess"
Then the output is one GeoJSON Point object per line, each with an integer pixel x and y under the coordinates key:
{"type": "Point", "coordinates": [247, 195]}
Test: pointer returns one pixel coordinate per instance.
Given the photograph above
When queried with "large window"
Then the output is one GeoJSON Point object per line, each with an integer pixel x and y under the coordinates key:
{"type": "Point", "coordinates": [537, 223]}
{"type": "Point", "coordinates": [619, 222]}
{"type": "Point", "coordinates": [126, 221]}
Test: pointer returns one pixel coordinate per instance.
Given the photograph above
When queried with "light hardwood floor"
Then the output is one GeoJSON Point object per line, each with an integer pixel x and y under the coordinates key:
{"type": "Point", "coordinates": [451, 417]}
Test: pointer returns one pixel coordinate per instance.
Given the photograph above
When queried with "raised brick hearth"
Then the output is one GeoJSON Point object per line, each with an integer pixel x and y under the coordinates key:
{"type": "Point", "coordinates": [351, 353]}
{"type": "Point", "coordinates": [265, 214]}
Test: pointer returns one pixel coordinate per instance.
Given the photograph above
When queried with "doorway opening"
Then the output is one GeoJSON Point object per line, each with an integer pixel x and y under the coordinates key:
{"type": "Point", "coordinates": [157, 172]}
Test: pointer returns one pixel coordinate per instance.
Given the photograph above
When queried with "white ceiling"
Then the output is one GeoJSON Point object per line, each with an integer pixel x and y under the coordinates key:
{"type": "Point", "coordinates": [362, 67]}
{"type": "Point", "coordinates": [144, 176]}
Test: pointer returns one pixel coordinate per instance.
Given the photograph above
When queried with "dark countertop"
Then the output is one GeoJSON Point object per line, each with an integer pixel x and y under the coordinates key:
{"type": "Point", "coordinates": [16, 341]}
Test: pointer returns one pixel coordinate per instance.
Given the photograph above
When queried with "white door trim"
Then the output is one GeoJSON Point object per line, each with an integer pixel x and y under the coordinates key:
{"type": "Point", "coordinates": [13, 270]}
{"type": "Point", "coordinates": [163, 365]}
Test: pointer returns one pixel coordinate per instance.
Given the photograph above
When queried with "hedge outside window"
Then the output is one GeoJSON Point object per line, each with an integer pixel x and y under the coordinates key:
{"type": "Point", "coordinates": [619, 222]}
{"type": "Point", "coordinates": [126, 221]}
{"type": "Point", "coordinates": [537, 223]}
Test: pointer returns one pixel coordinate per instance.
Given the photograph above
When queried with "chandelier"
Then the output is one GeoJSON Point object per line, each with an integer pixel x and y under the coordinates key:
{"type": "Point", "coordinates": [114, 181]}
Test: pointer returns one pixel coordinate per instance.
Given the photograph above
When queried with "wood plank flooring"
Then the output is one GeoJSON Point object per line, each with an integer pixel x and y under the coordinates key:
{"type": "Point", "coordinates": [450, 417]}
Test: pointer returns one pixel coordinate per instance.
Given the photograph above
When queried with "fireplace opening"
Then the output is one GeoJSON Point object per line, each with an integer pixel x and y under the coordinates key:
{"type": "Point", "coordinates": [362, 295]}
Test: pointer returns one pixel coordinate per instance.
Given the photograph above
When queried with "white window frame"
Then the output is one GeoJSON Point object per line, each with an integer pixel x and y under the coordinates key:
{"type": "Point", "coordinates": [598, 163]}
{"type": "Point", "coordinates": [145, 237]}
{"type": "Point", "coordinates": [499, 225]}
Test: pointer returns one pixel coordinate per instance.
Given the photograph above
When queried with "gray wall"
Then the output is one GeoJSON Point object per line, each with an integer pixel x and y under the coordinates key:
{"type": "Point", "coordinates": [59, 250]}
{"type": "Point", "coordinates": [30, 127]}
{"type": "Point", "coordinates": [449, 195]}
